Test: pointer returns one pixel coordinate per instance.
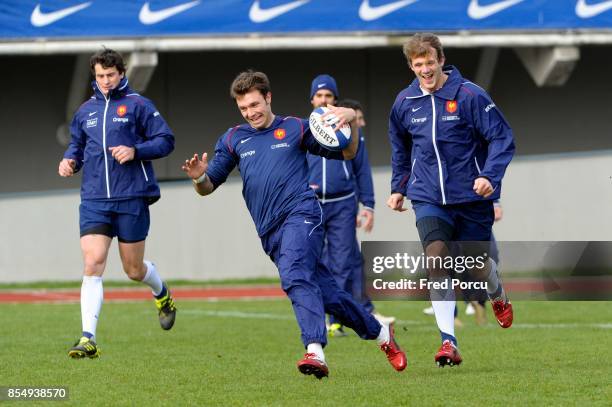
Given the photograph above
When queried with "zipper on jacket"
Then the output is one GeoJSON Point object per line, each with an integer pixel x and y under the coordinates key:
{"type": "Point", "coordinates": [345, 170]}
{"type": "Point", "coordinates": [324, 171]}
{"type": "Point", "coordinates": [143, 171]}
{"type": "Point", "coordinates": [477, 166]}
{"type": "Point", "coordinates": [108, 195]}
{"type": "Point", "coordinates": [433, 138]}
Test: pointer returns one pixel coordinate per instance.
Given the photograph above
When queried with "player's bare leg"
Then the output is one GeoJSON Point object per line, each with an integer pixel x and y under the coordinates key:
{"type": "Point", "coordinates": [138, 269]}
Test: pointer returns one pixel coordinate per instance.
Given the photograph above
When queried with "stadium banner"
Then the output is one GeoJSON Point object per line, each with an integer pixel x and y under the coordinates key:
{"type": "Point", "coordinates": [540, 270]}
{"type": "Point", "coordinates": [78, 19]}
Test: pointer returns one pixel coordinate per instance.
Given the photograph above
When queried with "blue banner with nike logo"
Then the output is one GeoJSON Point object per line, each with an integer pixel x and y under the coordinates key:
{"type": "Point", "coordinates": [114, 18]}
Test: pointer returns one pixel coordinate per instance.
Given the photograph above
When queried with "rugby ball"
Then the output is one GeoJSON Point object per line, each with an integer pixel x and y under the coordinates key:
{"type": "Point", "coordinates": [330, 137]}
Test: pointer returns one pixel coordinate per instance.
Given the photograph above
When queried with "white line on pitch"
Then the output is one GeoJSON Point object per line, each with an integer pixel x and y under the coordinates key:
{"type": "Point", "coordinates": [263, 315]}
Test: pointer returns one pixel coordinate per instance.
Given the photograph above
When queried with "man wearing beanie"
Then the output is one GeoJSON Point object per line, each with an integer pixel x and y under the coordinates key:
{"type": "Point", "coordinates": [340, 187]}
{"type": "Point", "coordinates": [321, 83]}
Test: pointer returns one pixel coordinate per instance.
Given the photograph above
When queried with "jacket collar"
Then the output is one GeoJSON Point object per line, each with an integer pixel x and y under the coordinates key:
{"type": "Point", "coordinates": [450, 88]}
{"type": "Point", "coordinates": [447, 91]}
{"type": "Point", "coordinates": [121, 90]}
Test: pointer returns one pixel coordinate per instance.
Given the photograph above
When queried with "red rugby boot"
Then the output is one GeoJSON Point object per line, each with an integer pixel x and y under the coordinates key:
{"type": "Point", "coordinates": [503, 313]}
{"type": "Point", "coordinates": [395, 356]}
{"type": "Point", "coordinates": [312, 365]}
{"type": "Point", "coordinates": [448, 355]}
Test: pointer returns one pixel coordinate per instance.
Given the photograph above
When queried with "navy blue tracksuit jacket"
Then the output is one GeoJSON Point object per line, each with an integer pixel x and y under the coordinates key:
{"type": "Point", "coordinates": [121, 118]}
{"type": "Point", "coordinates": [442, 142]}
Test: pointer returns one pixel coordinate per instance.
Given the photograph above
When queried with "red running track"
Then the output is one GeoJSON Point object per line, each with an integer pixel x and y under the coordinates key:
{"type": "Point", "coordinates": [587, 286]}
{"type": "Point", "coordinates": [119, 294]}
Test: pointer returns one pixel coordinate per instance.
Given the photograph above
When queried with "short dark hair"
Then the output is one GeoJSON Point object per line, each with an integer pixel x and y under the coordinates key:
{"type": "Point", "coordinates": [351, 103]}
{"type": "Point", "coordinates": [247, 81]}
{"type": "Point", "coordinates": [419, 46]}
{"type": "Point", "coordinates": [108, 58]}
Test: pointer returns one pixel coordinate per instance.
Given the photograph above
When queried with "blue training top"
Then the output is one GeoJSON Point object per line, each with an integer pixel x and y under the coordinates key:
{"type": "Point", "coordinates": [272, 164]}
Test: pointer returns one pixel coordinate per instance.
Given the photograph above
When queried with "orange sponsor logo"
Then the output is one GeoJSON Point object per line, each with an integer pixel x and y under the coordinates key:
{"type": "Point", "coordinates": [279, 134]}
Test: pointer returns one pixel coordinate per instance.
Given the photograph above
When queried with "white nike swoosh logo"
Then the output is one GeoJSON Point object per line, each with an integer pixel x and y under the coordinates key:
{"type": "Point", "coordinates": [584, 10]}
{"type": "Point", "coordinates": [305, 221]}
{"type": "Point", "coordinates": [415, 109]}
{"type": "Point", "coordinates": [148, 16]}
{"type": "Point", "coordinates": [40, 19]}
{"type": "Point", "coordinates": [245, 140]}
{"type": "Point", "coordinates": [369, 13]}
{"type": "Point", "coordinates": [92, 113]}
{"type": "Point", "coordinates": [259, 15]}
{"type": "Point", "coordinates": [478, 12]}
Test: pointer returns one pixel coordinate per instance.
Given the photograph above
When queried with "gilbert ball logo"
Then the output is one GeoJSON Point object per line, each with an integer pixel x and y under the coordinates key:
{"type": "Point", "coordinates": [121, 110]}
{"type": "Point", "coordinates": [279, 134]}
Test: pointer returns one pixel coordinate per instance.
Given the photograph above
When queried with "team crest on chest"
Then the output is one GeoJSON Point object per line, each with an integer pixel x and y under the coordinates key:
{"type": "Point", "coordinates": [451, 106]}
{"type": "Point", "coordinates": [279, 134]}
{"type": "Point", "coordinates": [121, 110]}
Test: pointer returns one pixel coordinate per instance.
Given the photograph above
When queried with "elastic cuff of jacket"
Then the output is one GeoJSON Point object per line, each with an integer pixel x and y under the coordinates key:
{"type": "Point", "coordinates": [213, 182]}
{"type": "Point", "coordinates": [367, 208]}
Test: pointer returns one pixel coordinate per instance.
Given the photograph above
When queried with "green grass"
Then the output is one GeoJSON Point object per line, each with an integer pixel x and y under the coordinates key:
{"type": "Point", "coordinates": [217, 355]}
{"type": "Point", "coordinates": [131, 284]}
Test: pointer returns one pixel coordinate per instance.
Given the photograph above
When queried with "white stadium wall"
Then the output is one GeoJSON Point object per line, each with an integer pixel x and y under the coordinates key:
{"type": "Point", "coordinates": [556, 197]}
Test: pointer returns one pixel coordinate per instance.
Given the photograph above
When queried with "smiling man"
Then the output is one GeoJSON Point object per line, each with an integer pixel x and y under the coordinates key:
{"type": "Point", "coordinates": [270, 152]}
{"type": "Point", "coordinates": [450, 149]}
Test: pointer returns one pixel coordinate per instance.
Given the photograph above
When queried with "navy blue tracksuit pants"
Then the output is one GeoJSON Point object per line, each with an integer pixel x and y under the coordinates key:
{"type": "Point", "coordinates": [341, 253]}
{"type": "Point", "coordinates": [295, 247]}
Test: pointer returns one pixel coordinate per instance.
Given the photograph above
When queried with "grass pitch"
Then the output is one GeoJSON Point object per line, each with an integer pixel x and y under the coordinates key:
{"type": "Point", "coordinates": [244, 353]}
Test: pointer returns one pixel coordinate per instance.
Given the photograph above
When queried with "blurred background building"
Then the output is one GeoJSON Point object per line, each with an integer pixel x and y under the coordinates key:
{"type": "Point", "coordinates": [546, 63]}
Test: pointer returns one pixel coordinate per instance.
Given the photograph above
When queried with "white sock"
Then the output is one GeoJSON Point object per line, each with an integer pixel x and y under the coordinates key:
{"type": "Point", "coordinates": [92, 295]}
{"type": "Point", "coordinates": [443, 304]}
{"type": "Point", "coordinates": [384, 336]}
{"type": "Point", "coordinates": [445, 316]}
{"type": "Point", "coordinates": [152, 278]}
{"type": "Point", "coordinates": [317, 349]}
